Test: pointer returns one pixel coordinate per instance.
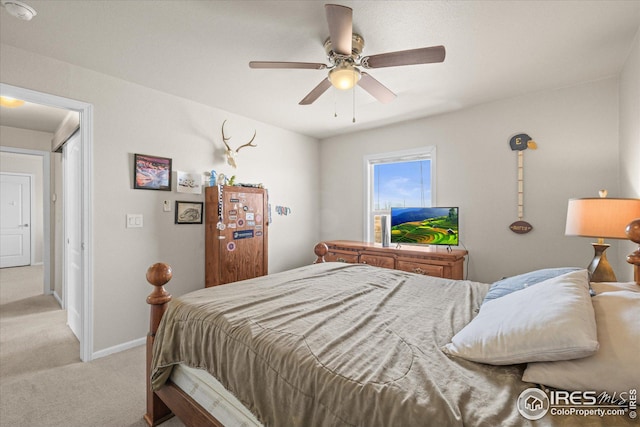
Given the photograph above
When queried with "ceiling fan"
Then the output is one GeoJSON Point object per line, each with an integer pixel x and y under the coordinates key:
{"type": "Point", "coordinates": [343, 49]}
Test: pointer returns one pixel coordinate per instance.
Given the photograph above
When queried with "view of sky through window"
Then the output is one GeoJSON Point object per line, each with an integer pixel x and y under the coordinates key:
{"type": "Point", "coordinates": [402, 184]}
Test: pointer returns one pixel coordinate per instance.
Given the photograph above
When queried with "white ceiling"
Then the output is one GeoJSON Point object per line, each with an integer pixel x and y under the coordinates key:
{"type": "Point", "coordinates": [200, 50]}
{"type": "Point", "coordinates": [33, 117]}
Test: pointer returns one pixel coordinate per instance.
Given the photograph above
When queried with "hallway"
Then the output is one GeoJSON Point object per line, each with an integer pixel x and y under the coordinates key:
{"type": "Point", "coordinates": [32, 325]}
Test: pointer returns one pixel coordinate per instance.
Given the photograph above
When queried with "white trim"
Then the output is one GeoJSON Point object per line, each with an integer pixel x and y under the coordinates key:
{"type": "Point", "coordinates": [46, 211]}
{"type": "Point", "coordinates": [426, 152]}
{"type": "Point", "coordinates": [120, 347]}
{"type": "Point", "coordinates": [32, 233]}
{"type": "Point", "coordinates": [86, 129]}
{"type": "Point", "coordinates": [57, 297]}
{"type": "Point", "coordinates": [63, 255]}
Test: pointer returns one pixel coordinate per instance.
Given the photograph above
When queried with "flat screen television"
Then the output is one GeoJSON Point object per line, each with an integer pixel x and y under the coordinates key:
{"type": "Point", "coordinates": [425, 226]}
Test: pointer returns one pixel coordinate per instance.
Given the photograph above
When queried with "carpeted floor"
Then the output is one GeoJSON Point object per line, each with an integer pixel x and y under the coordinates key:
{"type": "Point", "coordinates": [43, 383]}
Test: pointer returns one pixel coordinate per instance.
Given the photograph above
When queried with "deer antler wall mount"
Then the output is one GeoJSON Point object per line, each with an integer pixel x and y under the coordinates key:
{"type": "Point", "coordinates": [231, 154]}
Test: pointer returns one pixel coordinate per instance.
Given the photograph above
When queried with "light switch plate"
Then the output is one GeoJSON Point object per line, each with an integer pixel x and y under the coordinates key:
{"type": "Point", "coordinates": [134, 221]}
{"type": "Point", "coordinates": [166, 206]}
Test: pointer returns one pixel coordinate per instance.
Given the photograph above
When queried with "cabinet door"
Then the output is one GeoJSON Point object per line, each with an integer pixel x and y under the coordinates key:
{"type": "Point", "coordinates": [242, 249]}
{"type": "Point", "coordinates": [420, 268]}
{"type": "Point", "coordinates": [378, 260]}
{"type": "Point", "coordinates": [240, 259]}
{"type": "Point", "coordinates": [237, 251]}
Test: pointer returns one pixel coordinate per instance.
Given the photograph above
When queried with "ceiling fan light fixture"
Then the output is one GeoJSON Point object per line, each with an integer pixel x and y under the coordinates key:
{"type": "Point", "coordinates": [344, 76]}
{"type": "Point", "coordinates": [19, 9]}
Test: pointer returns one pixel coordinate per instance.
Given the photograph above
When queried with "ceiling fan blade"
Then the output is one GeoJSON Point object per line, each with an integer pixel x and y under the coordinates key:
{"type": "Point", "coordinates": [425, 55]}
{"type": "Point", "coordinates": [316, 92]}
{"type": "Point", "coordinates": [296, 65]}
{"type": "Point", "coordinates": [376, 89]}
{"type": "Point", "coordinates": [340, 23]}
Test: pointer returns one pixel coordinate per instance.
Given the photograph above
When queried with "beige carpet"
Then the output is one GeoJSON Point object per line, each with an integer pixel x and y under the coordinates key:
{"type": "Point", "coordinates": [42, 380]}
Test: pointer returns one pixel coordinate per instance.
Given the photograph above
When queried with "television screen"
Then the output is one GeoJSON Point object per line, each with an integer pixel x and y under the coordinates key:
{"type": "Point", "coordinates": [424, 226]}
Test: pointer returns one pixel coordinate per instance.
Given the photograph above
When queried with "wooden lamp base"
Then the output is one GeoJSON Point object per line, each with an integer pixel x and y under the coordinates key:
{"type": "Point", "coordinates": [600, 270]}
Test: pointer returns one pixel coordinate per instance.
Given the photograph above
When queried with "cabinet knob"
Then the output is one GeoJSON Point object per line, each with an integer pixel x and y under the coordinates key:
{"type": "Point", "coordinates": [418, 270]}
{"type": "Point", "coordinates": [341, 260]}
{"type": "Point", "coordinates": [363, 262]}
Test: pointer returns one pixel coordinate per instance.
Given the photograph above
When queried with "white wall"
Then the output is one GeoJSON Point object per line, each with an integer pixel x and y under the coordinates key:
{"type": "Point", "coordinates": [576, 129]}
{"type": "Point", "coordinates": [130, 118]}
{"type": "Point", "coordinates": [630, 129]}
{"type": "Point", "coordinates": [630, 122]}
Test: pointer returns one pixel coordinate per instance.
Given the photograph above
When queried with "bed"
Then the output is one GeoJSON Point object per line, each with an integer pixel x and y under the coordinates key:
{"type": "Point", "coordinates": [333, 344]}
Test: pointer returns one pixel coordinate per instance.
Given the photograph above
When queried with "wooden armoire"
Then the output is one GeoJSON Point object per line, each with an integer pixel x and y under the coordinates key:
{"type": "Point", "coordinates": [236, 231]}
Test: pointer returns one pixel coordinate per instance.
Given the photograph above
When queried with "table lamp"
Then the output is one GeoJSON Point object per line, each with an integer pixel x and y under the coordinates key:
{"type": "Point", "coordinates": [601, 218]}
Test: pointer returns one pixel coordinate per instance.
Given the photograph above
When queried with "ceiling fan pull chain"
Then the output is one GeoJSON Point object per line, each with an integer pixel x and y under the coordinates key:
{"type": "Point", "coordinates": [354, 102]}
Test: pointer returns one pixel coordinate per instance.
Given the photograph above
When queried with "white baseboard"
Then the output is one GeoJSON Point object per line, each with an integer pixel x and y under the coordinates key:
{"type": "Point", "coordinates": [57, 297]}
{"type": "Point", "coordinates": [118, 348]}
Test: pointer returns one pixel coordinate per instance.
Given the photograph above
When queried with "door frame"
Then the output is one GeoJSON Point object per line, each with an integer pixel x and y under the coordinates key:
{"type": "Point", "coordinates": [86, 141]}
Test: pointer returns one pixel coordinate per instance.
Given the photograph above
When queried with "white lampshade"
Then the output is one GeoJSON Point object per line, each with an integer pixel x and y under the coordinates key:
{"type": "Point", "coordinates": [344, 77]}
{"type": "Point", "coordinates": [601, 217]}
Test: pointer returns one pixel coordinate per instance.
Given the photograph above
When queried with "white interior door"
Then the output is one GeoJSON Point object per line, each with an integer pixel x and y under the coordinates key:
{"type": "Point", "coordinates": [72, 177]}
{"type": "Point", "coordinates": [15, 220]}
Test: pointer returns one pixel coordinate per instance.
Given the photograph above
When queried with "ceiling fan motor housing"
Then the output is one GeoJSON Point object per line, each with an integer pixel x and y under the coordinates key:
{"type": "Point", "coordinates": [357, 45]}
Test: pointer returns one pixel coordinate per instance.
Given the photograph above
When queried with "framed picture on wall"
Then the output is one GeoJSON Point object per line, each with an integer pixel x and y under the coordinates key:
{"type": "Point", "coordinates": [189, 183]}
{"type": "Point", "coordinates": [151, 172]}
{"type": "Point", "coordinates": [188, 212]}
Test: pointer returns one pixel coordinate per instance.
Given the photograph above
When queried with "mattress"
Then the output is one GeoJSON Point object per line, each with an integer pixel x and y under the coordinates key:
{"type": "Point", "coordinates": [212, 396]}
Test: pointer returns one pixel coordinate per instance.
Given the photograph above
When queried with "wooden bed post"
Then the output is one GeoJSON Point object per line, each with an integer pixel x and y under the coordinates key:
{"type": "Point", "coordinates": [320, 250]}
{"type": "Point", "coordinates": [633, 232]}
{"type": "Point", "coordinates": [158, 275]}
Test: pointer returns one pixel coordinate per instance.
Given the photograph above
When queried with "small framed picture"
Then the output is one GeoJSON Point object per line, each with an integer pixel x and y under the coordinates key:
{"type": "Point", "coordinates": [151, 172]}
{"type": "Point", "coordinates": [189, 212]}
{"type": "Point", "coordinates": [189, 183]}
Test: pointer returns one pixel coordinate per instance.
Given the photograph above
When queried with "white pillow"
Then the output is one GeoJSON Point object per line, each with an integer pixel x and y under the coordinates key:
{"type": "Point", "coordinates": [600, 287]}
{"type": "Point", "coordinates": [614, 367]}
{"type": "Point", "coordinates": [552, 320]}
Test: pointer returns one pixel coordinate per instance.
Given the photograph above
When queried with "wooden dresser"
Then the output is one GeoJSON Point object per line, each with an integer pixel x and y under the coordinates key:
{"type": "Point", "coordinates": [238, 248]}
{"type": "Point", "coordinates": [434, 261]}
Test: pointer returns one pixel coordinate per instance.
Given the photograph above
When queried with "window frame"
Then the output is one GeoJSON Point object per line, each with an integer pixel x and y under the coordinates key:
{"type": "Point", "coordinates": [415, 154]}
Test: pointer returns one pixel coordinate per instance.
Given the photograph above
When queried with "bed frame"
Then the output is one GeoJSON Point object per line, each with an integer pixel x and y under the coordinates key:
{"type": "Point", "coordinates": [170, 400]}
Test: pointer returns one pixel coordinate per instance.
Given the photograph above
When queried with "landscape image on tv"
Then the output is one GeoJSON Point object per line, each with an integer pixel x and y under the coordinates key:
{"type": "Point", "coordinates": [424, 226]}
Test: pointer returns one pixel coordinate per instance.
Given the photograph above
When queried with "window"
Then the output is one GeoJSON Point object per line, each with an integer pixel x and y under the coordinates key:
{"type": "Point", "coordinates": [397, 179]}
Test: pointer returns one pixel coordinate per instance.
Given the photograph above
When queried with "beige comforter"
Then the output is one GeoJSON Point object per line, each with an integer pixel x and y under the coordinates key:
{"type": "Point", "coordinates": [341, 345]}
